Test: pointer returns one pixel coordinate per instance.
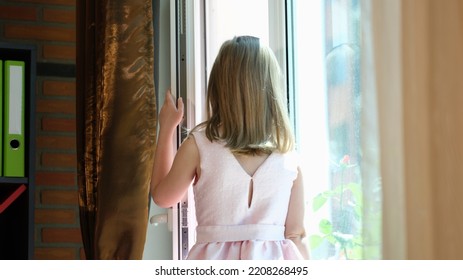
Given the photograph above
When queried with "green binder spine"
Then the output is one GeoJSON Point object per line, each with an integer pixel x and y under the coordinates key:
{"type": "Point", "coordinates": [13, 119]}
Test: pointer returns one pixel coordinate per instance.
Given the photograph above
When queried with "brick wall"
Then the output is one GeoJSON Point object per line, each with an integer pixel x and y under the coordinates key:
{"type": "Point", "coordinates": [50, 25]}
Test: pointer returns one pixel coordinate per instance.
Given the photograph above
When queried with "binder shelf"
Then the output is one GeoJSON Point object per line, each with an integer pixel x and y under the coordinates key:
{"type": "Point", "coordinates": [17, 150]}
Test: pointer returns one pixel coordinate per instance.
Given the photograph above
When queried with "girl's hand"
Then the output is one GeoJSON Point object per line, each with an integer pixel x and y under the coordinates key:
{"type": "Point", "coordinates": [171, 114]}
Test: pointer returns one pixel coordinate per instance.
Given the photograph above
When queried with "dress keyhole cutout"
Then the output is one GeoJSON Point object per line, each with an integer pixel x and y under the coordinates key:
{"type": "Point", "coordinates": [251, 191]}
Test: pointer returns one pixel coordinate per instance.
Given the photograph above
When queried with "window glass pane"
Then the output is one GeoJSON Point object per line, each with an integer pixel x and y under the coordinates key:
{"type": "Point", "coordinates": [228, 18]}
{"type": "Point", "coordinates": [225, 19]}
{"type": "Point", "coordinates": [328, 107]}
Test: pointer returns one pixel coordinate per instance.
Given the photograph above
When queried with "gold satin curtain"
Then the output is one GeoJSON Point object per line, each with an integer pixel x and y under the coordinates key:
{"type": "Point", "coordinates": [116, 124]}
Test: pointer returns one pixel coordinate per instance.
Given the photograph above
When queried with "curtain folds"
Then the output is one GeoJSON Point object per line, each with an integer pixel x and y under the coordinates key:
{"type": "Point", "coordinates": [414, 71]}
{"type": "Point", "coordinates": [382, 132]}
{"type": "Point", "coordinates": [371, 175]}
{"type": "Point", "coordinates": [116, 125]}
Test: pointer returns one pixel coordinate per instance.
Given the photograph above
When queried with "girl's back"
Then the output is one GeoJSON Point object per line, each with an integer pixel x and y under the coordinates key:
{"type": "Point", "coordinates": [240, 213]}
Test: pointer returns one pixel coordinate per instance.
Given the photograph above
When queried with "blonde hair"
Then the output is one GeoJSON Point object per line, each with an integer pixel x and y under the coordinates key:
{"type": "Point", "coordinates": [246, 102]}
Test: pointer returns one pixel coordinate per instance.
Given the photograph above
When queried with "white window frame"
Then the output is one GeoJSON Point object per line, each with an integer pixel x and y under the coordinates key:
{"type": "Point", "coordinates": [191, 21]}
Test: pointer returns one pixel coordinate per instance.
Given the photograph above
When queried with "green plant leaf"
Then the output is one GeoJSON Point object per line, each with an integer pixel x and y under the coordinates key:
{"type": "Point", "coordinates": [356, 190]}
{"type": "Point", "coordinates": [325, 226]}
{"type": "Point", "coordinates": [356, 253]}
{"type": "Point", "coordinates": [330, 238]}
{"type": "Point", "coordinates": [315, 241]}
{"type": "Point", "coordinates": [319, 201]}
{"type": "Point", "coordinates": [358, 240]}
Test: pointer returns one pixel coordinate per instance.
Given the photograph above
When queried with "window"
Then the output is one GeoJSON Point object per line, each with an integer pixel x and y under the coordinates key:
{"type": "Point", "coordinates": [326, 102]}
{"type": "Point", "coordinates": [318, 46]}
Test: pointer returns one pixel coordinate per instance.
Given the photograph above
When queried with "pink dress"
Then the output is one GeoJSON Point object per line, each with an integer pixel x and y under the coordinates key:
{"type": "Point", "coordinates": [232, 226]}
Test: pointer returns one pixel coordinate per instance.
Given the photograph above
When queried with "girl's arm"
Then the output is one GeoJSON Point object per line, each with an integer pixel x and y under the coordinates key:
{"type": "Point", "coordinates": [294, 226]}
{"type": "Point", "coordinates": [172, 173]}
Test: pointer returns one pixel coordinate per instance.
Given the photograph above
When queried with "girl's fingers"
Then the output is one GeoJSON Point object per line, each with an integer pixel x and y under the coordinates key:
{"type": "Point", "coordinates": [180, 105]}
{"type": "Point", "coordinates": [169, 97]}
{"type": "Point", "coordinates": [172, 110]}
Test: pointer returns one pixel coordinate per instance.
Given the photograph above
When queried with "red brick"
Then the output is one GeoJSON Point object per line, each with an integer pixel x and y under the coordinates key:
{"type": "Point", "coordinates": [61, 16]}
{"type": "Point", "coordinates": [41, 33]}
{"type": "Point", "coordinates": [55, 216]}
{"type": "Point", "coordinates": [18, 13]}
{"type": "Point", "coordinates": [59, 88]}
{"type": "Point", "coordinates": [61, 125]}
{"type": "Point", "coordinates": [59, 160]}
{"type": "Point", "coordinates": [55, 179]}
{"type": "Point", "coordinates": [59, 52]}
{"type": "Point", "coordinates": [55, 253]}
{"type": "Point", "coordinates": [56, 106]}
{"type": "Point", "coordinates": [60, 197]}
{"type": "Point", "coordinates": [56, 142]}
{"type": "Point", "coordinates": [61, 235]}
{"type": "Point", "coordinates": [56, 2]}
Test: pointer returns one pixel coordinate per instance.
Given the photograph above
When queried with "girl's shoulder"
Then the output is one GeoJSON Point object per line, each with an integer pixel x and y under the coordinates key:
{"type": "Point", "coordinates": [292, 159]}
{"type": "Point", "coordinates": [198, 134]}
{"type": "Point", "coordinates": [198, 131]}
{"type": "Point", "coordinates": [202, 141]}
{"type": "Point", "coordinates": [291, 154]}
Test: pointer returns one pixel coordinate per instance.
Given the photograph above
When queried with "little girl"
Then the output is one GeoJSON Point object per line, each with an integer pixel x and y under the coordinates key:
{"type": "Point", "coordinates": [247, 184]}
